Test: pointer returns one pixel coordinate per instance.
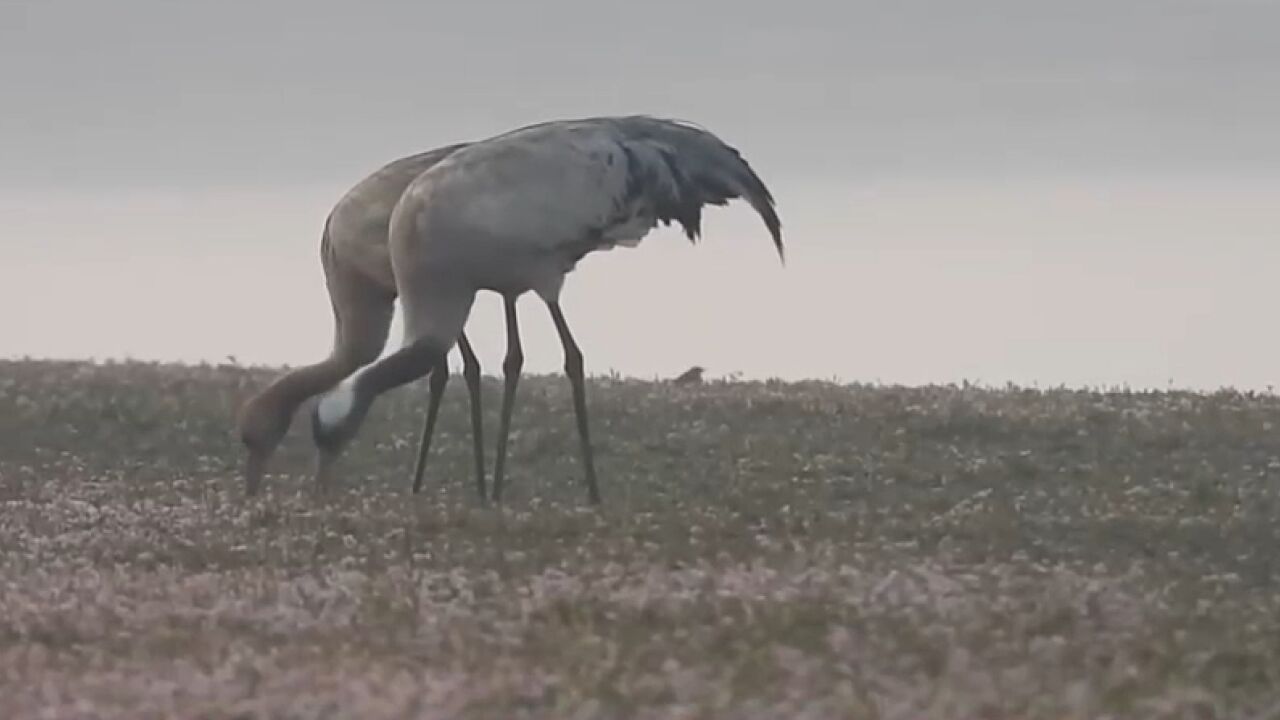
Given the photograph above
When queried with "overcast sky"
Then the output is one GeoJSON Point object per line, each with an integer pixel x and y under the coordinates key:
{"type": "Point", "coordinates": [1080, 193]}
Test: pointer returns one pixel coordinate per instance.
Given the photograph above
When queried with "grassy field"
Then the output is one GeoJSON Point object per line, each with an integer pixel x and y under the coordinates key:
{"type": "Point", "coordinates": [765, 550]}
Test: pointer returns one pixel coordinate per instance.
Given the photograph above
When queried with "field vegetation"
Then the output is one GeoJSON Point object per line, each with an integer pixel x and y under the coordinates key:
{"type": "Point", "coordinates": [765, 550]}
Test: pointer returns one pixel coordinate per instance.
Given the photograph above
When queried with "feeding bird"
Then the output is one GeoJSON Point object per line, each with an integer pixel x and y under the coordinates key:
{"type": "Point", "coordinates": [692, 376]}
{"type": "Point", "coordinates": [515, 213]}
{"type": "Point", "coordinates": [362, 291]}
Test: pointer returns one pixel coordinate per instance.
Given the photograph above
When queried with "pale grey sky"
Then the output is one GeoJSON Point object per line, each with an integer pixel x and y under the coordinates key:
{"type": "Point", "coordinates": [1073, 193]}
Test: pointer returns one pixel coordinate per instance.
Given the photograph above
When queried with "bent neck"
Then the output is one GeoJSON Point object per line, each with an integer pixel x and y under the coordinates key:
{"type": "Point", "coordinates": [296, 386]}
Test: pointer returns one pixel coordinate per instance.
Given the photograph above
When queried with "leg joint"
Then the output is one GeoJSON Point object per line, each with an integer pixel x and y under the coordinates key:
{"type": "Point", "coordinates": [439, 375]}
{"type": "Point", "coordinates": [514, 361]}
{"type": "Point", "coordinates": [513, 364]}
{"type": "Point", "coordinates": [573, 365]}
{"type": "Point", "coordinates": [471, 371]}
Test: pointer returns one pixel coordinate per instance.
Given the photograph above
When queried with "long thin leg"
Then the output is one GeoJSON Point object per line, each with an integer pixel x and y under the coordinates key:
{"type": "Point", "coordinates": [573, 368]}
{"type": "Point", "coordinates": [439, 378]}
{"type": "Point", "coordinates": [511, 371]}
{"type": "Point", "coordinates": [471, 371]}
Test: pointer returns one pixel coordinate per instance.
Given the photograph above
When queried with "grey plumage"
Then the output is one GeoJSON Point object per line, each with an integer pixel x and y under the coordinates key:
{"type": "Point", "coordinates": [515, 213]}
{"type": "Point", "coordinates": [672, 169]}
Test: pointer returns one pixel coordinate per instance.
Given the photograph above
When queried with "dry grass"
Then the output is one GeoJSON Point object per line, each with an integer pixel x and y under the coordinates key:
{"type": "Point", "coordinates": [765, 551]}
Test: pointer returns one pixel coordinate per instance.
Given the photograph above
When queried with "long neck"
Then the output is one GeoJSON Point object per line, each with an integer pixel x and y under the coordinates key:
{"type": "Point", "coordinates": [293, 388]}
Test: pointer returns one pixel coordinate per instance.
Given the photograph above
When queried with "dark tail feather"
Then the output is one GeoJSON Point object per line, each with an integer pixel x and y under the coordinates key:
{"type": "Point", "coordinates": [757, 195]}
{"type": "Point", "coordinates": [703, 170]}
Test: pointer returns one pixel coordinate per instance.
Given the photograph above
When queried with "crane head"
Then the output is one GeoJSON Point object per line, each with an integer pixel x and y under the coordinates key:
{"type": "Point", "coordinates": [261, 425]}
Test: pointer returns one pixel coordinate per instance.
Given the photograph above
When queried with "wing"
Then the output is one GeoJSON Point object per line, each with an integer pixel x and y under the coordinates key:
{"type": "Point", "coordinates": [583, 185]}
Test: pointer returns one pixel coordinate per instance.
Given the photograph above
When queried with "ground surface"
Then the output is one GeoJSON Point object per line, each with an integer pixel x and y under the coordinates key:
{"type": "Point", "coordinates": [765, 551]}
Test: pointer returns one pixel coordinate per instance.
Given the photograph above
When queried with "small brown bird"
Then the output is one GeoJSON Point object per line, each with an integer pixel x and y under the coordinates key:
{"type": "Point", "coordinates": [692, 376]}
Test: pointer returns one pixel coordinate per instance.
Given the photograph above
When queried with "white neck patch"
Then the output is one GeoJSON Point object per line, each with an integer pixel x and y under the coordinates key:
{"type": "Point", "coordinates": [336, 405]}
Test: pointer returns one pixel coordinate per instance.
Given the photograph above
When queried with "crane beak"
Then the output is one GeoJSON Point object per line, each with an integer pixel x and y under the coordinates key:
{"type": "Point", "coordinates": [254, 465]}
{"type": "Point", "coordinates": [325, 461]}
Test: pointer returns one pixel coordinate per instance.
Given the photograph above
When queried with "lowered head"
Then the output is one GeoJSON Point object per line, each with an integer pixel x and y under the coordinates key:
{"type": "Point", "coordinates": [334, 421]}
{"type": "Point", "coordinates": [265, 418]}
{"type": "Point", "coordinates": [261, 424]}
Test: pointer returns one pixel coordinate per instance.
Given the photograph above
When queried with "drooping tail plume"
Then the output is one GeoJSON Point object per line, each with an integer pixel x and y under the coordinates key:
{"type": "Point", "coordinates": [683, 167]}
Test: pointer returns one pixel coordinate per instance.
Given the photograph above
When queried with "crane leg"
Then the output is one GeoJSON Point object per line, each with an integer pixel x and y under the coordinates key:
{"type": "Point", "coordinates": [511, 377]}
{"type": "Point", "coordinates": [439, 378]}
{"type": "Point", "coordinates": [573, 368]}
{"type": "Point", "coordinates": [471, 371]}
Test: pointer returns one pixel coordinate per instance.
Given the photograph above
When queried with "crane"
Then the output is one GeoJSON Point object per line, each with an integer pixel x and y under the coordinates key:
{"type": "Point", "coordinates": [362, 290]}
{"type": "Point", "coordinates": [516, 213]}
